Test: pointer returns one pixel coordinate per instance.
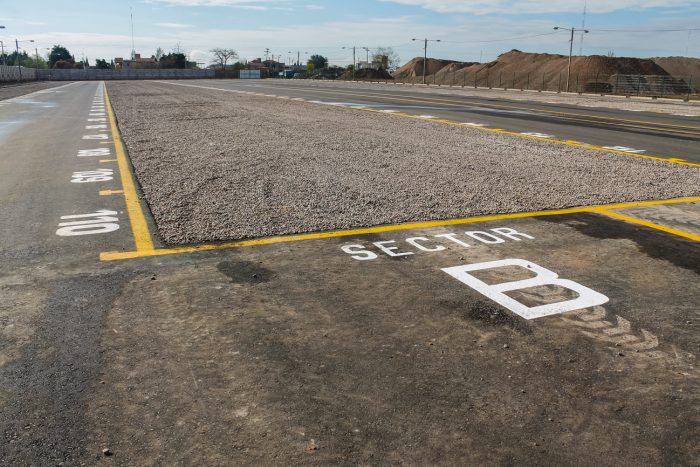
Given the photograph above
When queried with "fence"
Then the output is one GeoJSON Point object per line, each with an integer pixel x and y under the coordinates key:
{"type": "Point", "coordinates": [12, 74]}
{"type": "Point", "coordinates": [685, 87]}
{"type": "Point", "coordinates": [139, 73]}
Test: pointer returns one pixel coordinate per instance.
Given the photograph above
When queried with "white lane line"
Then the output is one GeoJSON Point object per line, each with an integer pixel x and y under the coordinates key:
{"type": "Point", "coordinates": [390, 111]}
{"type": "Point", "coordinates": [427, 116]}
{"type": "Point", "coordinates": [473, 124]}
{"type": "Point", "coordinates": [625, 149]}
{"type": "Point", "coordinates": [537, 135]}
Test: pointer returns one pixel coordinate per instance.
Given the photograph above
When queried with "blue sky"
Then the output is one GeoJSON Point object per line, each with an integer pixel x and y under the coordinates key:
{"type": "Point", "coordinates": [469, 30]}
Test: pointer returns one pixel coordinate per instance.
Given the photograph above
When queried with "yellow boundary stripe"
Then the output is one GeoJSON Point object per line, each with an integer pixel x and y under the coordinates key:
{"type": "Point", "coordinates": [671, 160]}
{"type": "Point", "coordinates": [111, 256]}
{"type": "Point", "coordinates": [137, 220]}
{"type": "Point", "coordinates": [651, 225]}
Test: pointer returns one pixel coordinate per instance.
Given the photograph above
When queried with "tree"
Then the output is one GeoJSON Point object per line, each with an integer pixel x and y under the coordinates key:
{"type": "Point", "coordinates": [173, 60]}
{"type": "Point", "coordinates": [318, 61]}
{"type": "Point", "coordinates": [101, 64]}
{"type": "Point", "coordinates": [222, 56]}
{"type": "Point", "coordinates": [387, 57]}
{"type": "Point", "coordinates": [159, 54]}
{"type": "Point", "coordinates": [59, 53]}
{"type": "Point", "coordinates": [310, 66]}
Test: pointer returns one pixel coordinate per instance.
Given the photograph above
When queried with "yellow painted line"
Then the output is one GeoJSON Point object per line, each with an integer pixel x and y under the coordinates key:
{"type": "Point", "coordinates": [672, 160]}
{"type": "Point", "coordinates": [634, 220]}
{"type": "Point", "coordinates": [139, 226]}
{"type": "Point", "coordinates": [108, 160]}
{"type": "Point", "coordinates": [117, 255]}
{"type": "Point", "coordinates": [111, 192]}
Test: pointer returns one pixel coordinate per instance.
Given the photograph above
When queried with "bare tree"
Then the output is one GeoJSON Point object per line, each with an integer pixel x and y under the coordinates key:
{"type": "Point", "coordinates": [222, 56]}
{"type": "Point", "coordinates": [387, 57]}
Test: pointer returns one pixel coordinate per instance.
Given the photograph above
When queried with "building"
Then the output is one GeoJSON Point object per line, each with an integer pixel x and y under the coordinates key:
{"type": "Point", "coordinates": [138, 62]}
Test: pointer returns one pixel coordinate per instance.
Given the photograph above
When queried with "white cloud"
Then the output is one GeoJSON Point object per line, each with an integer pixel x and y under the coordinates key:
{"type": "Point", "coordinates": [174, 25]}
{"type": "Point", "coordinates": [539, 6]}
{"type": "Point", "coordinates": [247, 4]}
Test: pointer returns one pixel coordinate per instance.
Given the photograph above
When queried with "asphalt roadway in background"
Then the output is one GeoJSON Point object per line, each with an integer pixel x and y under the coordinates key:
{"type": "Point", "coordinates": [414, 344]}
{"type": "Point", "coordinates": [663, 135]}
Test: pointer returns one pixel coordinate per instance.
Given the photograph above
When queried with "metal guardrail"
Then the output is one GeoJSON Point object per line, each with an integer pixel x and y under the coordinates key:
{"type": "Point", "coordinates": [682, 87]}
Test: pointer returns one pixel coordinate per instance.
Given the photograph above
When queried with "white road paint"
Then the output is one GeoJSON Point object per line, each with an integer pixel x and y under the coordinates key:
{"type": "Point", "coordinates": [102, 221]}
{"type": "Point", "coordinates": [433, 243]}
{"type": "Point", "coordinates": [625, 149]}
{"type": "Point", "coordinates": [586, 297]}
{"type": "Point", "coordinates": [537, 135]}
{"type": "Point", "coordinates": [91, 176]}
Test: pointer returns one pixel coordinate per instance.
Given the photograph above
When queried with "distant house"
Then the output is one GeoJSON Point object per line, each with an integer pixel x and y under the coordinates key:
{"type": "Point", "coordinates": [137, 62]}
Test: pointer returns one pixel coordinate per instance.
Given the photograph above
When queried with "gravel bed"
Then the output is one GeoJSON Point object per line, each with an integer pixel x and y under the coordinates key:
{"type": "Point", "coordinates": [219, 165]}
{"type": "Point", "coordinates": [8, 91]}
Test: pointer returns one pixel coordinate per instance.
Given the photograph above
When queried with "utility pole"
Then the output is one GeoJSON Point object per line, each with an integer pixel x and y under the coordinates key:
{"type": "Point", "coordinates": [425, 53]}
{"type": "Point", "coordinates": [267, 51]}
{"type": "Point", "coordinates": [19, 68]}
{"type": "Point", "coordinates": [367, 50]}
{"type": "Point", "coordinates": [571, 49]}
{"type": "Point", "coordinates": [354, 66]}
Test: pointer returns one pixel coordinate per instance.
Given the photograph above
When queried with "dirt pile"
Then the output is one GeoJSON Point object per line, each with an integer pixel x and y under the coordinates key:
{"type": "Point", "coordinates": [414, 68]}
{"type": "Point", "coordinates": [522, 70]}
{"type": "Point", "coordinates": [682, 67]}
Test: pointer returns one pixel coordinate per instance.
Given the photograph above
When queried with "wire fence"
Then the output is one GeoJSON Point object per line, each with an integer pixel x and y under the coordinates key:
{"type": "Point", "coordinates": [14, 74]}
{"type": "Point", "coordinates": [681, 87]}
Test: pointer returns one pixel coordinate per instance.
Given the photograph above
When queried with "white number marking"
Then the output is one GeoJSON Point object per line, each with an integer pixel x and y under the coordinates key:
{"type": "Point", "coordinates": [98, 222]}
{"type": "Point", "coordinates": [89, 176]}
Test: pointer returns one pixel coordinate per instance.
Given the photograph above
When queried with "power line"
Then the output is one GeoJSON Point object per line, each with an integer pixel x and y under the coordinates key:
{"type": "Point", "coordinates": [501, 40]}
{"type": "Point", "coordinates": [644, 30]}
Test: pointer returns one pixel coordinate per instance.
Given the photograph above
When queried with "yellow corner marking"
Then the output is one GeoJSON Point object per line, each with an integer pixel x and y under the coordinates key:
{"type": "Point", "coordinates": [634, 220]}
{"type": "Point", "coordinates": [111, 192]}
{"type": "Point", "coordinates": [117, 255]}
{"type": "Point", "coordinates": [139, 226]}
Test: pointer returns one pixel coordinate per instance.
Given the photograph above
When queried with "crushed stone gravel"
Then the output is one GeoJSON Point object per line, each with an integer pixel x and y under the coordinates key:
{"type": "Point", "coordinates": [222, 166]}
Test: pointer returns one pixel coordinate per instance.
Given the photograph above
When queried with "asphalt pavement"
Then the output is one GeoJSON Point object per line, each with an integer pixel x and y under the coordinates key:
{"type": "Point", "coordinates": [554, 338]}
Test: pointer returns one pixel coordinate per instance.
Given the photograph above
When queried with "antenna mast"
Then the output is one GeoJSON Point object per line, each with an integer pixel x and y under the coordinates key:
{"type": "Point", "coordinates": [133, 46]}
{"type": "Point", "coordinates": [583, 27]}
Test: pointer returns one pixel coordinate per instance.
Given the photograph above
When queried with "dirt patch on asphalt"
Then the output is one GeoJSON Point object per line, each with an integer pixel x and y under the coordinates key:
{"type": "Point", "coordinates": [218, 165]}
{"type": "Point", "coordinates": [8, 91]}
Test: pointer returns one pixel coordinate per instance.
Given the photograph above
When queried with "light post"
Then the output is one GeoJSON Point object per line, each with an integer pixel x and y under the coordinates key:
{"type": "Point", "coordinates": [571, 48]}
{"type": "Point", "coordinates": [367, 50]}
{"type": "Point", "coordinates": [425, 53]}
{"type": "Point", "coordinates": [19, 68]}
{"type": "Point", "coordinates": [353, 60]}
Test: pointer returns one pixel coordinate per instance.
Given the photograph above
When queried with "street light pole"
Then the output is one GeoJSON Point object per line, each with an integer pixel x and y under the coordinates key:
{"type": "Point", "coordinates": [571, 48]}
{"type": "Point", "coordinates": [353, 60]}
{"type": "Point", "coordinates": [17, 64]}
{"type": "Point", "coordinates": [425, 53]}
